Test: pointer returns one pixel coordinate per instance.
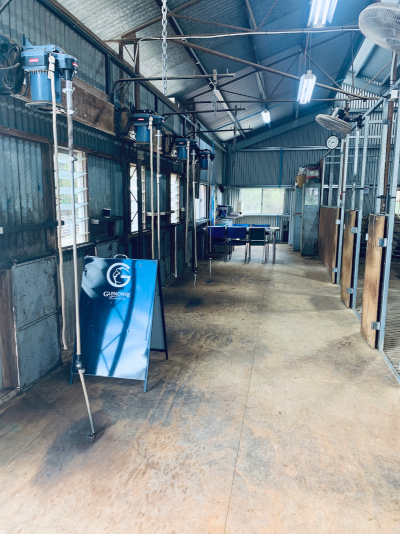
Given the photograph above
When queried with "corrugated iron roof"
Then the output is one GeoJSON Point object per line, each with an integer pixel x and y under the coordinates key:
{"type": "Point", "coordinates": [109, 19]}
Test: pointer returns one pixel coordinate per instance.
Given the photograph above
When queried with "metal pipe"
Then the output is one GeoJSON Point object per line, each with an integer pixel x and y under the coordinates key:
{"type": "Point", "coordinates": [59, 220]}
{"type": "Point", "coordinates": [330, 191]}
{"type": "Point", "coordinates": [355, 169]}
{"type": "Point", "coordinates": [247, 32]}
{"type": "Point", "coordinates": [360, 213]}
{"type": "Point", "coordinates": [257, 66]}
{"type": "Point", "coordinates": [194, 209]}
{"type": "Point", "coordinates": [342, 147]}
{"type": "Point", "coordinates": [151, 186]}
{"type": "Point", "coordinates": [70, 111]}
{"type": "Point", "coordinates": [382, 158]}
{"type": "Point", "coordinates": [292, 101]}
{"type": "Point", "coordinates": [322, 181]}
{"type": "Point", "coordinates": [176, 250]}
{"type": "Point", "coordinates": [187, 199]}
{"type": "Point", "coordinates": [159, 78]}
{"type": "Point", "coordinates": [390, 231]}
{"type": "Point", "coordinates": [158, 136]}
{"type": "Point", "coordinates": [342, 207]}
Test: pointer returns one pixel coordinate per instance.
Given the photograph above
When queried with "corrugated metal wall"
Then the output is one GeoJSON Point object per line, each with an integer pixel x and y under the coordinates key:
{"type": "Point", "coordinates": [254, 168]}
{"type": "Point", "coordinates": [21, 197]}
{"type": "Point", "coordinates": [105, 191]}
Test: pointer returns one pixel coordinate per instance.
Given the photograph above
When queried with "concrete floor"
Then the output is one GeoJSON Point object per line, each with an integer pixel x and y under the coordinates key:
{"type": "Point", "coordinates": [271, 416]}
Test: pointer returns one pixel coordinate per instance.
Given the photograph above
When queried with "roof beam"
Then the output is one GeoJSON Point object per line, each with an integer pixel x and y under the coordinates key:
{"type": "Point", "coordinates": [256, 66]}
{"type": "Point", "coordinates": [259, 77]}
{"type": "Point", "coordinates": [363, 55]}
{"type": "Point", "coordinates": [303, 121]}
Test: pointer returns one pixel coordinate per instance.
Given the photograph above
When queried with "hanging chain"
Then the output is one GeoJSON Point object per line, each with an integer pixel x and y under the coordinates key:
{"type": "Point", "coordinates": [164, 45]}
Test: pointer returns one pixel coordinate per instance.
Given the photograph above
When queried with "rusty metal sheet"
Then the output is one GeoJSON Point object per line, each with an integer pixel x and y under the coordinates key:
{"type": "Point", "coordinates": [328, 238]}
{"type": "Point", "coordinates": [350, 217]}
{"type": "Point", "coordinates": [372, 280]}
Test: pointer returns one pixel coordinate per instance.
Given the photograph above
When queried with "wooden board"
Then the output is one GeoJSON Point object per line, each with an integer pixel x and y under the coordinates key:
{"type": "Point", "coordinates": [328, 238]}
{"type": "Point", "coordinates": [372, 279]}
{"type": "Point", "coordinates": [350, 217]}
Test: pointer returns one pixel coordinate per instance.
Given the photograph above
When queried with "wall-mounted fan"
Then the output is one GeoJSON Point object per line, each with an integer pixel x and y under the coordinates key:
{"type": "Point", "coordinates": [380, 23]}
{"type": "Point", "coordinates": [337, 122]}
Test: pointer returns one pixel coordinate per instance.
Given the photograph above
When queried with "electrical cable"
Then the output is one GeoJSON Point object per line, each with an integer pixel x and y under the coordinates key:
{"type": "Point", "coordinates": [14, 76]}
{"type": "Point", "coordinates": [58, 198]}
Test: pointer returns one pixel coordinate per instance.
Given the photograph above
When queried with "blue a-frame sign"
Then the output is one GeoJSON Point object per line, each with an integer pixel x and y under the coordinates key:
{"type": "Point", "coordinates": [122, 317]}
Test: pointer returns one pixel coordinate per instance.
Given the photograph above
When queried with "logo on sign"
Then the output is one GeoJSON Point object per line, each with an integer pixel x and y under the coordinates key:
{"type": "Point", "coordinates": [118, 275]}
{"type": "Point", "coordinates": [34, 60]}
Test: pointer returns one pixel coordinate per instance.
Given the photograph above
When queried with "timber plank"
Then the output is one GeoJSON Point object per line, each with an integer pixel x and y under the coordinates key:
{"type": "Point", "coordinates": [372, 279]}
{"type": "Point", "coordinates": [328, 238]}
{"type": "Point", "coordinates": [348, 256]}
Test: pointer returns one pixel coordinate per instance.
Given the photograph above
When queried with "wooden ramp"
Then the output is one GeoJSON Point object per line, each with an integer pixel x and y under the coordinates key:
{"type": "Point", "coordinates": [328, 238]}
{"type": "Point", "coordinates": [372, 279]}
{"type": "Point", "coordinates": [350, 218]}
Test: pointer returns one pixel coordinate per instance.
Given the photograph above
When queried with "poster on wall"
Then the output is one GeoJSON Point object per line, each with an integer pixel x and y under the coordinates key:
{"type": "Point", "coordinates": [212, 205]}
{"type": "Point", "coordinates": [122, 317]}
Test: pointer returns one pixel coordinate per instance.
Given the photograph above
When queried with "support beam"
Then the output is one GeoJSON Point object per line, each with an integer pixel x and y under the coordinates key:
{"type": "Point", "coordinates": [255, 66]}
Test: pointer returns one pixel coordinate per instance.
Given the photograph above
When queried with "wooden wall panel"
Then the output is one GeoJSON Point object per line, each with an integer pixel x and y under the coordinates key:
{"type": "Point", "coordinates": [328, 238]}
{"type": "Point", "coordinates": [350, 217]}
{"type": "Point", "coordinates": [372, 279]}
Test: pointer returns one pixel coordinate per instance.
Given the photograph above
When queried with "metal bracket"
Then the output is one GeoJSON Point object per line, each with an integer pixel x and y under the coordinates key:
{"type": "Point", "coordinates": [337, 221]}
{"type": "Point", "coordinates": [382, 242]}
{"type": "Point", "coordinates": [334, 270]}
{"type": "Point", "coordinates": [366, 237]}
{"type": "Point", "coordinates": [354, 229]}
{"type": "Point", "coordinates": [375, 325]}
{"type": "Point", "coordinates": [349, 291]}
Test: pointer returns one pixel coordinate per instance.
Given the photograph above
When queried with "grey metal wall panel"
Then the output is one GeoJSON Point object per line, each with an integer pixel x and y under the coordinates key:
{"type": "Point", "coordinates": [34, 290]}
{"type": "Point", "coordinates": [36, 318]}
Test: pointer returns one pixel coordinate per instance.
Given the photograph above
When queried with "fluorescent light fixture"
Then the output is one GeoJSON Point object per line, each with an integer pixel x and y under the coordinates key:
{"type": "Point", "coordinates": [266, 116]}
{"type": "Point", "coordinates": [306, 88]}
{"type": "Point", "coordinates": [321, 11]}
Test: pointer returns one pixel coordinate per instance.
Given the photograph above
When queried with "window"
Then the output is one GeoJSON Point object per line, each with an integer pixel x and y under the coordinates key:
{"type": "Point", "coordinates": [175, 198]}
{"type": "Point", "coordinates": [201, 203]}
{"type": "Point", "coordinates": [134, 198]}
{"type": "Point", "coordinates": [258, 201]}
{"type": "Point", "coordinates": [81, 198]}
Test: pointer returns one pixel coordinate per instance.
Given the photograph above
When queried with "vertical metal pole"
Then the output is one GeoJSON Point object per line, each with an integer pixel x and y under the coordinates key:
{"type": "Point", "coordinates": [176, 250]}
{"type": "Point", "coordinates": [389, 245]}
{"type": "Point", "coordinates": [187, 199]}
{"type": "Point", "coordinates": [70, 111]}
{"type": "Point", "coordinates": [208, 233]}
{"type": "Point", "coordinates": [158, 136]}
{"type": "Point", "coordinates": [59, 221]}
{"type": "Point", "coordinates": [342, 145]}
{"type": "Point", "coordinates": [331, 170]}
{"type": "Point", "coordinates": [342, 208]}
{"type": "Point", "coordinates": [382, 158]}
{"type": "Point", "coordinates": [322, 181]}
{"type": "Point", "coordinates": [194, 208]}
{"type": "Point", "coordinates": [355, 169]}
{"type": "Point", "coordinates": [151, 186]}
{"type": "Point", "coordinates": [360, 213]}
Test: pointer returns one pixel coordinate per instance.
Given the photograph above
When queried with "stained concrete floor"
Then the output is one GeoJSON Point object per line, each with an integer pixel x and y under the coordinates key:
{"type": "Point", "coordinates": [271, 416]}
